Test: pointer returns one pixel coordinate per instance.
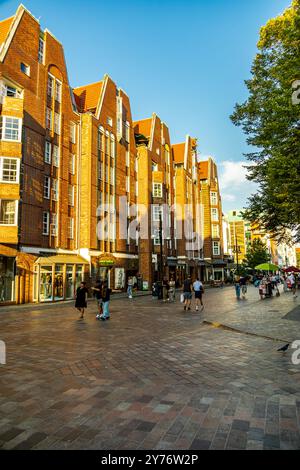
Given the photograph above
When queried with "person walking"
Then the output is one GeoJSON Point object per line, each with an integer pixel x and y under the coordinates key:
{"type": "Point", "coordinates": [243, 284]}
{"type": "Point", "coordinates": [237, 287]}
{"type": "Point", "coordinates": [106, 292]}
{"type": "Point", "coordinates": [187, 293]}
{"type": "Point", "coordinates": [129, 287]}
{"type": "Point", "coordinates": [199, 291]}
{"type": "Point", "coordinates": [81, 298]}
{"type": "Point", "coordinates": [172, 291]}
{"type": "Point", "coordinates": [293, 284]}
{"type": "Point", "coordinates": [98, 296]}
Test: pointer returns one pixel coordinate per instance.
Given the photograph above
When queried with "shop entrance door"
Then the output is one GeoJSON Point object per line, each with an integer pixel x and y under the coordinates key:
{"type": "Point", "coordinates": [46, 284]}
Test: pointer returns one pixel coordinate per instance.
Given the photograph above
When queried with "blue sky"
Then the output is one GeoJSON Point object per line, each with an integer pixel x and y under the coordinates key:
{"type": "Point", "coordinates": [186, 60]}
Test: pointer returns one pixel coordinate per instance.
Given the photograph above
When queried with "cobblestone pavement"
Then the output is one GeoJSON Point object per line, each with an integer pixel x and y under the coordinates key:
{"type": "Point", "coordinates": [153, 377]}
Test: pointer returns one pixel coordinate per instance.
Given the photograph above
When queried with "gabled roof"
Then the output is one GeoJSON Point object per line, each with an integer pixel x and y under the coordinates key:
{"type": "Point", "coordinates": [143, 127]}
{"type": "Point", "coordinates": [203, 170]}
{"type": "Point", "coordinates": [179, 152]}
{"type": "Point", "coordinates": [87, 97]}
{"type": "Point", "coordinates": [4, 28]}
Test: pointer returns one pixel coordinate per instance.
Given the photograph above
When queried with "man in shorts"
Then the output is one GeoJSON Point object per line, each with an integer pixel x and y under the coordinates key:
{"type": "Point", "coordinates": [199, 290]}
{"type": "Point", "coordinates": [187, 293]}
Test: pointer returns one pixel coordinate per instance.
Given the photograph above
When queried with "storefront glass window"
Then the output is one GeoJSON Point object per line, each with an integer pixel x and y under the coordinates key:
{"type": "Point", "coordinates": [58, 282]}
{"type": "Point", "coordinates": [7, 279]}
{"type": "Point", "coordinates": [70, 282]}
{"type": "Point", "coordinates": [79, 276]}
{"type": "Point", "coordinates": [46, 284]}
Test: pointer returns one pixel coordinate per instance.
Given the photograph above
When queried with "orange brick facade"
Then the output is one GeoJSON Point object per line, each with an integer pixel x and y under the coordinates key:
{"type": "Point", "coordinates": [72, 163]}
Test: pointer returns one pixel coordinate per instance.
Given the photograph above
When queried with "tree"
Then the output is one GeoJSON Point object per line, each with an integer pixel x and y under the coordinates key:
{"type": "Point", "coordinates": [257, 254]}
{"type": "Point", "coordinates": [271, 120]}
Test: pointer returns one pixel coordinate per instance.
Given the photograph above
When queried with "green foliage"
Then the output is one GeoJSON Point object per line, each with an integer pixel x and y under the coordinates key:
{"type": "Point", "coordinates": [272, 124]}
{"type": "Point", "coordinates": [257, 254]}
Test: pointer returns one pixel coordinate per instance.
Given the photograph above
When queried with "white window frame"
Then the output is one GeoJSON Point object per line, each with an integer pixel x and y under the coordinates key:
{"type": "Point", "coordinates": [112, 176]}
{"type": "Point", "coordinates": [72, 163]}
{"type": "Point", "coordinates": [215, 228]}
{"type": "Point", "coordinates": [47, 186]}
{"type": "Point", "coordinates": [215, 215]}
{"type": "Point", "coordinates": [57, 123]}
{"type": "Point", "coordinates": [157, 190]}
{"type": "Point", "coordinates": [15, 214]}
{"type": "Point", "coordinates": [71, 195]}
{"type": "Point", "coordinates": [71, 228]}
{"type": "Point", "coordinates": [3, 124]}
{"type": "Point", "coordinates": [156, 211]}
{"type": "Point", "coordinates": [55, 189]}
{"type": "Point", "coordinates": [41, 51]}
{"type": "Point", "coordinates": [73, 132]}
{"type": "Point", "coordinates": [2, 180]}
{"type": "Point", "coordinates": [136, 188]}
{"type": "Point", "coordinates": [127, 131]}
{"type": "Point", "coordinates": [112, 146]}
{"type": "Point", "coordinates": [56, 156]}
{"type": "Point", "coordinates": [49, 119]}
{"type": "Point", "coordinates": [127, 158]}
{"type": "Point", "coordinates": [46, 223]}
{"type": "Point", "coordinates": [53, 225]}
{"type": "Point", "coordinates": [213, 198]}
{"type": "Point", "coordinates": [50, 85]}
{"type": "Point", "coordinates": [58, 86]}
{"type": "Point", "coordinates": [48, 150]}
{"type": "Point", "coordinates": [216, 247]}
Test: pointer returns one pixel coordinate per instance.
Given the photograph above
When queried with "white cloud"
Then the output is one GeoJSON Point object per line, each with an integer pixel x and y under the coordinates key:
{"type": "Point", "coordinates": [228, 197]}
{"type": "Point", "coordinates": [233, 175]}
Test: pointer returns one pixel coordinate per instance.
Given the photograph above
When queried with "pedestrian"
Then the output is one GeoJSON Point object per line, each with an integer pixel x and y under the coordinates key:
{"type": "Point", "coordinates": [261, 289]}
{"type": "Point", "coordinates": [243, 284]}
{"type": "Point", "coordinates": [129, 287]}
{"type": "Point", "coordinates": [81, 298]}
{"type": "Point", "coordinates": [106, 292]}
{"type": "Point", "coordinates": [293, 284]}
{"type": "Point", "coordinates": [166, 289]}
{"type": "Point", "coordinates": [284, 282]}
{"type": "Point", "coordinates": [98, 296]}
{"type": "Point", "coordinates": [187, 293]}
{"type": "Point", "coordinates": [172, 291]}
{"type": "Point", "coordinates": [199, 291]}
{"type": "Point", "coordinates": [237, 287]}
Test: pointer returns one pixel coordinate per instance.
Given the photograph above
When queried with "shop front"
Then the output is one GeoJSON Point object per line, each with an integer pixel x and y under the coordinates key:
{"type": "Point", "coordinates": [7, 279]}
{"type": "Point", "coordinates": [57, 277]}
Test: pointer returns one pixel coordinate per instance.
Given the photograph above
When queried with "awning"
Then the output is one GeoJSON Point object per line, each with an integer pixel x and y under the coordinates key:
{"type": "Point", "coordinates": [218, 262]}
{"type": "Point", "coordinates": [172, 262]}
{"type": "Point", "coordinates": [61, 259]}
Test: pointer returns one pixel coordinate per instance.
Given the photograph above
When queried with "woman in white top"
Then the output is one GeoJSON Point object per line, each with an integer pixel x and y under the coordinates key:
{"type": "Point", "coordinates": [199, 290]}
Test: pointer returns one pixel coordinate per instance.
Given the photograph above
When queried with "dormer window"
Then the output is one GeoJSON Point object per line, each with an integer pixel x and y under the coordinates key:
{"type": "Point", "coordinates": [25, 69]}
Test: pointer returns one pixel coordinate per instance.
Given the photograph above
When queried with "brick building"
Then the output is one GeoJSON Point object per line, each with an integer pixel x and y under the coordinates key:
{"type": "Point", "coordinates": [213, 264]}
{"type": "Point", "coordinates": [39, 178]}
{"type": "Point", "coordinates": [155, 182]}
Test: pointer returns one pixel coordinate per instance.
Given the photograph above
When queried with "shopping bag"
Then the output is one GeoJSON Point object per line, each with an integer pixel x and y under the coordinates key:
{"type": "Point", "coordinates": [182, 298]}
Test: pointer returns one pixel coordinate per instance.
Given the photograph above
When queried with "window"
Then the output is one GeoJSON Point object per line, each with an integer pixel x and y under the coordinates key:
{"type": "Point", "coordinates": [214, 215]}
{"type": "Point", "coordinates": [50, 86]}
{"type": "Point", "coordinates": [8, 212]}
{"type": "Point", "coordinates": [110, 121]}
{"type": "Point", "coordinates": [46, 222]}
{"type": "Point", "coordinates": [57, 123]}
{"type": "Point", "coordinates": [157, 190]}
{"type": "Point", "coordinates": [70, 228]}
{"type": "Point", "coordinates": [48, 119]}
{"type": "Point", "coordinates": [213, 199]}
{"type": "Point", "coordinates": [157, 210]}
{"type": "Point", "coordinates": [112, 146]}
{"type": "Point", "coordinates": [55, 190]}
{"type": "Point", "coordinates": [156, 237]}
{"type": "Point", "coordinates": [112, 176]}
{"type": "Point", "coordinates": [41, 51]}
{"type": "Point", "coordinates": [72, 164]}
{"type": "Point", "coordinates": [47, 152]}
{"type": "Point", "coordinates": [54, 225]}
{"type": "Point", "coordinates": [100, 170]}
{"type": "Point", "coordinates": [100, 138]}
{"type": "Point", "coordinates": [107, 144]}
{"type": "Point", "coordinates": [11, 128]}
{"type": "Point", "coordinates": [106, 173]}
{"type": "Point", "coordinates": [119, 127]}
{"type": "Point", "coordinates": [127, 131]}
{"type": "Point", "coordinates": [58, 91]}
{"type": "Point", "coordinates": [73, 133]}
{"type": "Point", "coordinates": [71, 195]}
{"type": "Point", "coordinates": [127, 158]}
{"type": "Point", "coordinates": [9, 170]}
{"type": "Point", "coordinates": [56, 156]}
{"type": "Point", "coordinates": [215, 231]}
{"type": "Point", "coordinates": [12, 92]}
{"type": "Point", "coordinates": [25, 69]}
{"type": "Point", "coordinates": [154, 166]}
{"type": "Point", "coordinates": [47, 183]}
{"type": "Point", "coordinates": [216, 248]}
